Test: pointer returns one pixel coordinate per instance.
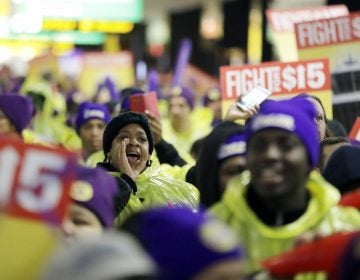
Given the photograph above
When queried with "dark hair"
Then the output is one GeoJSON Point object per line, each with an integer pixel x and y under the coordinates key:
{"type": "Point", "coordinates": [196, 148]}
{"type": "Point", "coordinates": [333, 140]}
{"type": "Point", "coordinates": [337, 128]}
{"type": "Point", "coordinates": [328, 141]}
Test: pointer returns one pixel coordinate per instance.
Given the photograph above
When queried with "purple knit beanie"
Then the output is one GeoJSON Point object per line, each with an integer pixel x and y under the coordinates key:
{"type": "Point", "coordinates": [95, 190]}
{"type": "Point", "coordinates": [234, 145]}
{"type": "Point", "coordinates": [88, 111]}
{"type": "Point", "coordinates": [18, 108]}
{"type": "Point", "coordinates": [296, 115]}
{"type": "Point", "coordinates": [184, 243]}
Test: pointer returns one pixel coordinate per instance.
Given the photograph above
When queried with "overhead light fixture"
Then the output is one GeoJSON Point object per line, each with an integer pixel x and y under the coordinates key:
{"type": "Point", "coordinates": [212, 20]}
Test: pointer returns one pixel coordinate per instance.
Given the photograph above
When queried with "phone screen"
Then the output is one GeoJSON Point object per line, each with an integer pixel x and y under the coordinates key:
{"type": "Point", "coordinates": [255, 97]}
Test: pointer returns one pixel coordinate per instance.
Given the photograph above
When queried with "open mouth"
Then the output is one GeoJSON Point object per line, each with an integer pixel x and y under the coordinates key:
{"type": "Point", "coordinates": [133, 157]}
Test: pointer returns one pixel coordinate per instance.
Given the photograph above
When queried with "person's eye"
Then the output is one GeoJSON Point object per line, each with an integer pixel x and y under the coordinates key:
{"type": "Point", "coordinates": [101, 126]}
{"type": "Point", "coordinates": [121, 137]}
{"type": "Point", "coordinates": [319, 118]}
{"type": "Point", "coordinates": [80, 222]}
{"type": "Point", "coordinates": [142, 139]}
{"type": "Point", "coordinates": [288, 144]}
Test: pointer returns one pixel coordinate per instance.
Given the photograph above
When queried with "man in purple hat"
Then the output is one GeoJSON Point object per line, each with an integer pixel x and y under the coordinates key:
{"type": "Point", "coordinates": [16, 112]}
{"type": "Point", "coordinates": [282, 196]}
{"type": "Point", "coordinates": [90, 123]}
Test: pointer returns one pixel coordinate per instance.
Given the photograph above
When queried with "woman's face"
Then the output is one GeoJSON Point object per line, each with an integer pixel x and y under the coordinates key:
{"type": "Point", "coordinates": [319, 119]}
{"type": "Point", "coordinates": [137, 147]}
{"type": "Point", "coordinates": [80, 223]}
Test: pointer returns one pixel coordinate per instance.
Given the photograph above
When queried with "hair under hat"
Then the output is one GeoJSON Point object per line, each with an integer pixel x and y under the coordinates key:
{"type": "Point", "coordinates": [113, 127]}
{"type": "Point", "coordinates": [88, 111]}
{"type": "Point", "coordinates": [18, 108]}
{"type": "Point", "coordinates": [95, 190]}
{"type": "Point", "coordinates": [183, 243]}
{"type": "Point", "coordinates": [296, 115]}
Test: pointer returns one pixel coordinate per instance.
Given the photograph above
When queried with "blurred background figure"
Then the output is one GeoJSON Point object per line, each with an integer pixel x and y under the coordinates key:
{"type": "Point", "coordinates": [90, 123]}
{"type": "Point", "coordinates": [182, 127]}
{"type": "Point", "coordinates": [49, 122]}
{"type": "Point", "coordinates": [16, 112]}
{"type": "Point", "coordinates": [106, 92]}
{"type": "Point", "coordinates": [187, 245]}
{"type": "Point", "coordinates": [328, 146]}
{"type": "Point", "coordinates": [342, 169]}
{"type": "Point", "coordinates": [212, 100]}
{"type": "Point", "coordinates": [222, 156]}
{"type": "Point", "coordinates": [93, 207]}
{"type": "Point", "coordinates": [112, 256]}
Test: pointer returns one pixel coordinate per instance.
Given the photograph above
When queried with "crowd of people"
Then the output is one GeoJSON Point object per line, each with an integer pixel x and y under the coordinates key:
{"type": "Point", "coordinates": [192, 195]}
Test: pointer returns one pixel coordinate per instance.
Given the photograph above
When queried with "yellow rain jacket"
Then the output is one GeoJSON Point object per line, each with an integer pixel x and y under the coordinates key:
{"type": "Point", "coordinates": [154, 189]}
{"type": "Point", "coordinates": [261, 241]}
{"type": "Point", "coordinates": [49, 124]}
{"type": "Point", "coordinates": [200, 126]}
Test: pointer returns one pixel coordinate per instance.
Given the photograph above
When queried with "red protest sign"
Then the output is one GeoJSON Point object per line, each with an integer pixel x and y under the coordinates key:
{"type": "Point", "coordinates": [34, 180]}
{"type": "Point", "coordinates": [355, 131]}
{"type": "Point", "coordinates": [283, 20]}
{"type": "Point", "coordinates": [278, 77]}
{"type": "Point", "coordinates": [283, 79]}
{"type": "Point", "coordinates": [145, 101]}
{"type": "Point", "coordinates": [327, 32]}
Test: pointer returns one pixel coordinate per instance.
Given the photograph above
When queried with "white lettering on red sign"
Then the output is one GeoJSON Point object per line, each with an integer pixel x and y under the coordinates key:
{"type": "Point", "coordinates": [324, 32]}
{"type": "Point", "coordinates": [38, 170]}
{"type": "Point", "coordinates": [281, 78]}
{"type": "Point", "coordinates": [283, 20]}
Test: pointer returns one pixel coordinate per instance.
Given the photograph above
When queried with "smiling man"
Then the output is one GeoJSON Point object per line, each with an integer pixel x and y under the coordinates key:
{"type": "Point", "coordinates": [282, 197]}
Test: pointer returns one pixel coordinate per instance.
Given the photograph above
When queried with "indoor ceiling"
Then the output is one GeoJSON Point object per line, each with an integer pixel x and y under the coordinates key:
{"type": "Point", "coordinates": [154, 8]}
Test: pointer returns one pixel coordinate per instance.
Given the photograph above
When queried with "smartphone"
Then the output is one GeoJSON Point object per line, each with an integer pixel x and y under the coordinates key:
{"type": "Point", "coordinates": [254, 97]}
